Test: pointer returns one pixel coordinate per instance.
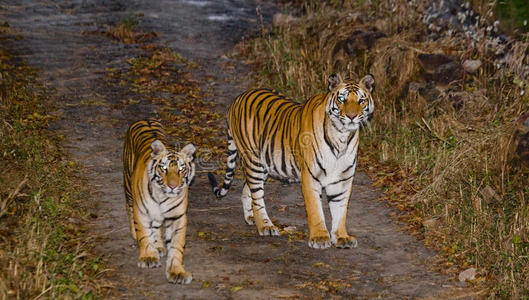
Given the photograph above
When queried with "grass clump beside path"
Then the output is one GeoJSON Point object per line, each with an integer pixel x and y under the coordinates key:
{"type": "Point", "coordinates": [43, 242]}
{"type": "Point", "coordinates": [445, 154]}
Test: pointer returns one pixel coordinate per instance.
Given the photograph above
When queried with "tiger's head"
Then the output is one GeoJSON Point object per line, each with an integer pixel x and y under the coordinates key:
{"type": "Point", "coordinates": [350, 104]}
{"type": "Point", "coordinates": [171, 171]}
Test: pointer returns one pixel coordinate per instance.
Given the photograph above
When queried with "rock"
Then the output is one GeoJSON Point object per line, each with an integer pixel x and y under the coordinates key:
{"type": "Point", "coordinates": [414, 87]}
{"type": "Point", "coordinates": [459, 98]}
{"type": "Point", "coordinates": [440, 68]}
{"type": "Point", "coordinates": [430, 92]}
{"type": "Point", "coordinates": [361, 41]}
{"type": "Point", "coordinates": [282, 20]}
{"type": "Point", "coordinates": [457, 18]}
{"type": "Point", "coordinates": [448, 73]}
{"type": "Point", "coordinates": [432, 62]}
{"type": "Point", "coordinates": [522, 140]}
{"type": "Point", "coordinates": [429, 223]}
{"type": "Point", "coordinates": [471, 65]}
{"type": "Point", "coordinates": [74, 221]}
{"type": "Point", "coordinates": [489, 195]}
{"type": "Point", "coordinates": [290, 229]}
{"type": "Point", "coordinates": [467, 275]}
{"type": "Point", "coordinates": [524, 121]}
{"type": "Point", "coordinates": [427, 91]}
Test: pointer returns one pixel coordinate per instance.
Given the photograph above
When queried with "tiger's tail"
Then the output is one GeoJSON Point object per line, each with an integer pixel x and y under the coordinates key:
{"type": "Point", "coordinates": [230, 170]}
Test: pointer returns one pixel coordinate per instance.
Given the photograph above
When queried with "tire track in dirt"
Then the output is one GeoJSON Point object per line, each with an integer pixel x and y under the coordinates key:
{"type": "Point", "coordinates": [226, 257]}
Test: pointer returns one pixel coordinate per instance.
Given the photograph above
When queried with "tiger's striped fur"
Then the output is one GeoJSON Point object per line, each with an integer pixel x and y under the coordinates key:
{"type": "Point", "coordinates": [156, 180]}
{"type": "Point", "coordinates": [315, 142]}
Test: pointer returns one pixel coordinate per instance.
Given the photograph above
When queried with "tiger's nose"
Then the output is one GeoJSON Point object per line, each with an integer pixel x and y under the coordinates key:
{"type": "Point", "coordinates": [172, 186]}
{"type": "Point", "coordinates": [351, 116]}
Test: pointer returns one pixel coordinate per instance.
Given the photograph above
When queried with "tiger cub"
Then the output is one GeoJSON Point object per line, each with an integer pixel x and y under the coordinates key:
{"type": "Point", "coordinates": [156, 180]}
{"type": "Point", "coordinates": [315, 142]}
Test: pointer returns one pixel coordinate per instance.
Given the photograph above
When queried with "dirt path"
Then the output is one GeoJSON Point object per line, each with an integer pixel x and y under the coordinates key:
{"type": "Point", "coordinates": [226, 257]}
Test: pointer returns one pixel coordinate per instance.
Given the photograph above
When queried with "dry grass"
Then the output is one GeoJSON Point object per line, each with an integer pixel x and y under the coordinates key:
{"type": "Point", "coordinates": [44, 249]}
{"type": "Point", "coordinates": [448, 162]}
{"type": "Point", "coordinates": [126, 31]}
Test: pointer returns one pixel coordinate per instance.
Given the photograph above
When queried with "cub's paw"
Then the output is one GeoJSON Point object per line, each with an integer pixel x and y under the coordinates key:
{"type": "Point", "coordinates": [149, 262]}
{"type": "Point", "coordinates": [269, 230]}
{"type": "Point", "coordinates": [181, 277]}
{"type": "Point", "coordinates": [346, 242]}
{"type": "Point", "coordinates": [249, 220]}
{"type": "Point", "coordinates": [320, 242]}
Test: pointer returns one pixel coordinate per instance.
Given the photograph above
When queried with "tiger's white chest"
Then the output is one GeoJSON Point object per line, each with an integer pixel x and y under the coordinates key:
{"type": "Point", "coordinates": [154, 209]}
{"type": "Point", "coordinates": [340, 163]}
{"type": "Point", "coordinates": [157, 203]}
{"type": "Point", "coordinates": [340, 170]}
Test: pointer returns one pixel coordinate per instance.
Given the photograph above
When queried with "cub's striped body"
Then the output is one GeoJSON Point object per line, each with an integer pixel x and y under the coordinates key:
{"type": "Point", "coordinates": [315, 142]}
{"type": "Point", "coordinates": [156, 180]}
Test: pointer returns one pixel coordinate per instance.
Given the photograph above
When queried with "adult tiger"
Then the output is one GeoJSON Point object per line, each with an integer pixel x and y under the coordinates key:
{"type": "Point", "coordinates": [156, 180]}
{"type": "Point", "coordinates": [315, 142]}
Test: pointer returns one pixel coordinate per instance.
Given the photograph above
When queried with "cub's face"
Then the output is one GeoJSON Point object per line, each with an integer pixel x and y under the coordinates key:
{"type": "Point", "coordinates": [350, 105]}
{"type": "Point", "coordinates": [171, 171]}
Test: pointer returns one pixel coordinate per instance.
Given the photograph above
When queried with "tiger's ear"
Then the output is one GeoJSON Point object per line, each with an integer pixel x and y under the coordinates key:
{"type": "Point", "coordinates": [334, 80]}
{"type": "Point", "coordinates": [157, 148]}
{"type": "Point", "coordinates": [368, 82]}
{"type": "Point", "coordinates": [188, 151]}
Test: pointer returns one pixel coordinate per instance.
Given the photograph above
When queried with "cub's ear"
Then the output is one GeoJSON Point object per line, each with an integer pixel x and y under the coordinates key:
{"type": "Point", "coordinates": [334, 80]}
{"type": "Point", "coordinates": [368, 82]}
{"type": "Point", "coordinates": [157, 148]}
{"type": "Point", "coordinates": [188, 151]}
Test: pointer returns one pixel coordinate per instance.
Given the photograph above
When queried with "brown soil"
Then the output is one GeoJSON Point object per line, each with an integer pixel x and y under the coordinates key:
{"type": "Point", "coordinates": [227, 258]}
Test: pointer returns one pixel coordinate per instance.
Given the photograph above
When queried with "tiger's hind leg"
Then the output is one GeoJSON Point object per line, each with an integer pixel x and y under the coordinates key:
{"type": "Point", "coordinates": [255, 179]}
{"type": "Point", "coordinates": [246, 199]}
{"type": "Point", "coordinates": [131, 221]}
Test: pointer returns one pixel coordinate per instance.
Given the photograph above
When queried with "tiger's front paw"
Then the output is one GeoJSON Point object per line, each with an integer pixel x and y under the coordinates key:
{"type": "Point", "coordinates": [249, 220]}
{"type": "Point", "coordinates": [269, 230]}
{"type": "Point", "coordinates": [181, 277]}
{"type": "Point", "coordinates": [320, 242]}
{"type": "Point", "coordinates": [346, 242]}
{"type": "Point", "coordinates": [149, 262]}
{"type": "Point", "coordinates": [150, 258]}
{"type": "Point", "coordinates": [175, 271]}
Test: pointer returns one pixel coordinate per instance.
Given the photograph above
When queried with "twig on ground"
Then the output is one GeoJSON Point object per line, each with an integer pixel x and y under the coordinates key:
{"type": "Point", "coordinates": [16, 192]}
{"type": "Point", "coordinates": [433, 133]}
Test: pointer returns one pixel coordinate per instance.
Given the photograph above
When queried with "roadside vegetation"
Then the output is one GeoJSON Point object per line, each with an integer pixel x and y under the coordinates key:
{"type": "Point", "coordinates": [44, 247]}
{"type": "Point", "coordinates": [446, 144]}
